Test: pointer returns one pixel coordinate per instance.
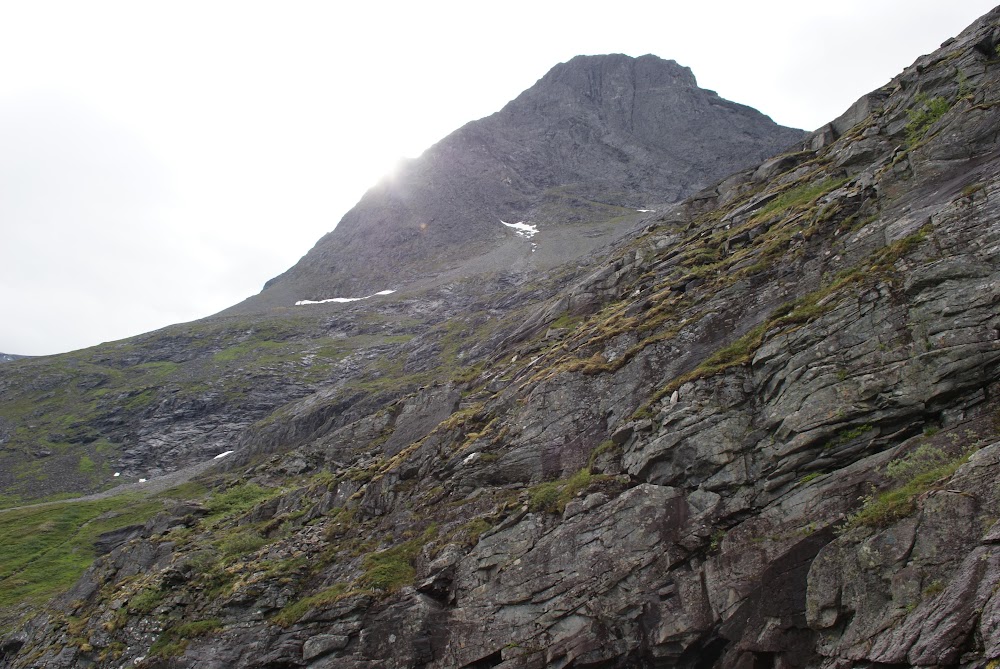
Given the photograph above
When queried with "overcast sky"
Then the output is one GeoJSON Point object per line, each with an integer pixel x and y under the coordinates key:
{"type": "Point", "coordinates": [159, 161]}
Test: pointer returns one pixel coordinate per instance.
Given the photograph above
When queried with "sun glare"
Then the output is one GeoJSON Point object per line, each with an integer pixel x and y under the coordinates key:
{"type": "Point", "coordinates": [382, 166]}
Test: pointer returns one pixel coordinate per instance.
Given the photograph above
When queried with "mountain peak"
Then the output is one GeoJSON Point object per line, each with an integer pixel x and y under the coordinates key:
{"type": "Point", "coordinates": [592, 141]}
{"type": "Point", "coordinates": [615, 82]}
{"type": "Point", "coordinates": [647, 70]}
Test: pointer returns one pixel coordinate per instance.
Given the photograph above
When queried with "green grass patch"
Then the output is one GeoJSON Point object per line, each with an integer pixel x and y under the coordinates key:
{"type": "Point", "coordinates": [192, 490]}
{"type": "Point", "coordinates": [174, 640]}
{"type": "Point", "coordinates": [566, 321]}
{"type": "Point", "coordinates": [606, 446]}
{"type": "Point", "coordinates": [849, 435]}
{"type": "Point", "coordinates": [86, 465]}
{"type": "Point", "coordinates": [44, 550]}
{"type": "Point", "coordinates": [972, 189]}
{"type": "Point", "coordinates": [925, 469]}
{"type": "Point", "coordinates": [798, 197]}
{"type": "Point", "coordinates": [146, 600]}
{"type": "Point", "coordinates": [796, 312]}
{"type": "Point", "coordinates": [474, 529]}
{"type": "Point", "coordinates": [241, 542]}
{"type": "Point", "coordinates": [924, 113]}
{"type": "Point", "coordinates": [247, 349]}
{"type": "Point", "coordinates": [293, 612]}
{"type": "Point", "coordinates": [553, 496]}
{"type": "Point", "coordinates": [238, 498]}
{"type": "Point", "coordinates": [392, 568]}
{"type": "Point", "coordinates": [808, 478]}
{"type": "Point", "coordinates": [737, 353]}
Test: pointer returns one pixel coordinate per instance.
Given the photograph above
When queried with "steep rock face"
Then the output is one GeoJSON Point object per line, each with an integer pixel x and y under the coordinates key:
{"type": "Point", "coordinates": [596, 138]}
{"type": "Point", "coordinates": [760, 433]}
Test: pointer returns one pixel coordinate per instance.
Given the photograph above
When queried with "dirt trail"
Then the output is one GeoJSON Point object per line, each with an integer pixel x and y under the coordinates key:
{"type": "Point", "coordinates": [150, 487]}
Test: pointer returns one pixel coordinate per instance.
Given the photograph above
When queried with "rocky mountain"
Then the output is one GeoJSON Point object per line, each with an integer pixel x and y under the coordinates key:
{"type": "Point", "coordinates": [577, 153]}
{"type": "Point", "coordinates": [7, 357]}
{"type": "Point", "coordinates": [591, 142]}
{"type": "Point", "coordinates": [758, 430]}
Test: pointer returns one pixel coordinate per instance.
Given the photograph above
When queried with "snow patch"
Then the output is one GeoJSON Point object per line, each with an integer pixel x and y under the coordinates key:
{"type": "Point", "coordinates": [645, 211]}
{"type": "Point", "coordinates": [522, 229]}
{"type": "Point", "coordinates": [117, 474]}
{"type": "Point", "coordinates": [142, 480]}
{"type": "Point", "coordinates": [344, 299]}
{"type": "Point", "coordinates": [221, 455]}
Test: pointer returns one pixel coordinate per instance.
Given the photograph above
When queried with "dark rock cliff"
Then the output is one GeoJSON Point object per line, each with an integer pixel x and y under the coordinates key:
{"type": "Point", "coordinates": [762, 431]}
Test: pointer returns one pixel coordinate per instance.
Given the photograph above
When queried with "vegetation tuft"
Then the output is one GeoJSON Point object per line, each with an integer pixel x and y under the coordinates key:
{"type": "Point", "coordinates": [392, 568]}
{"type": "Point", "coordinates": [293, 612]}
{"type": "Point", "coordinates": [798, 197]}
{"type": "Point", "coordinates": [238, 498]}
{"type": "Point", "coordinates": [924, 113]}
{"type": "Point", "coordinates": [553, 496]}
{"type": "Point", "coordinates": [925, 469]}
{"type": "Point", "coordinates": [173, 641]}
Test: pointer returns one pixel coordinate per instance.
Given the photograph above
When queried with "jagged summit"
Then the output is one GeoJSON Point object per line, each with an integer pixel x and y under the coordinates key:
{"type": "Point", "coordinates": [594, 77]}
{"type": "Point", "coordinates": [593, 140]}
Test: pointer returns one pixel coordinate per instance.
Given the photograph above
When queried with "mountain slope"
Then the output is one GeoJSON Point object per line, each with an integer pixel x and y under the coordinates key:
{"type": "Point", "coordinates": [577, 153]}
{"type": "Point", "coordinates": [759, 432]}
{"type": "Point", "coordinates": [595, 139]}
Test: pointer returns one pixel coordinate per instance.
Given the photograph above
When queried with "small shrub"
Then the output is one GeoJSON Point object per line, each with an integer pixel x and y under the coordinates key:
{"type": "Point", "coordinates": [544, 496]}
{"type": "Point", "coordinates": [717, 536]}
{"type": "Point", "coordinates": [925, 459]}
